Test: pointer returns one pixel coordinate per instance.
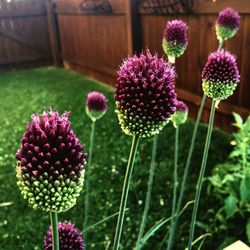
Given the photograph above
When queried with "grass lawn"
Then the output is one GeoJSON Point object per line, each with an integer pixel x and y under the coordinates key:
{"type": "Point", "coordinates": [32, 91]}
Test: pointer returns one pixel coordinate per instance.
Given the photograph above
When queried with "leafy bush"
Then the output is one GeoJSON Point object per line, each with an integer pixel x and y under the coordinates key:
{"type": "Point", "coordinates": [230, 183]}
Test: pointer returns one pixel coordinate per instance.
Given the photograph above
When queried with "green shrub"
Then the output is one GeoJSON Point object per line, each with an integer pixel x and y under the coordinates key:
{"type": "Point", "coordinates": [230, 183]}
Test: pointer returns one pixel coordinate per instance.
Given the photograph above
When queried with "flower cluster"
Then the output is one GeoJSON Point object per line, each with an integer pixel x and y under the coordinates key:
{"type": "Point", "coordinates": [50, 166]}
{"type": "Point", "coordinates": [181, 114]}
{"type": "Point", "coordinates": [227, 24]}
{"type": "Point", "coordinates": [175, 38]}
{"type": "Point", "coordinates": [69, 238]}
{"type": "Point", "coordinates": [145, 94]}
{"type": "Point", "coordinates": [96, 105]}
{"type": "Point", "coordinates": [220, 75]}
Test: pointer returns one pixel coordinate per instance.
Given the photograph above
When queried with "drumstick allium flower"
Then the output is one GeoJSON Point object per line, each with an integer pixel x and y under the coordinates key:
{"type": "Point", "coordinates": [69, 238]}
{"type": "Point", "coordinates": [220, 75]}
{"type": "Point", "coordinates": [50, 166]}
{"type": "Point", "coordinates": [96, 105]}
{"type": "Point", "coordinates": [175, 38]}
{"type": "Point", "coordinates": [227, 24]}
{"type": "Point", "coordinates": [181, 113]}
{"type": "Point", "coordinates": [145, 94]}
{"type": "Point", "coordinates": [145, 101]}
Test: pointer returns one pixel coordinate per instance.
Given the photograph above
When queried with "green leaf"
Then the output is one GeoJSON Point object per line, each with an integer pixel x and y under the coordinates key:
{"type": "Point", "coordinates": [245, 188]}
{"type": "Point", "coordinates": [248, 230]}
{"type": "Point", "coordinates": [238, 120]}
{"type": "Point", "coordinates": [230, 205]}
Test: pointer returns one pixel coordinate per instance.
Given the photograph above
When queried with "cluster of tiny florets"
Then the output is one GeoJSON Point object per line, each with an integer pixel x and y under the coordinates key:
{"type": "Point", "coordinates": [181, 114]}
{"type": "Point", "coordinates": [227, 24]}
{"type": "Point", "coordinates": [220, 75]}
{"type": "Point", "coordinates": [96, 105]}
{"type": "Point", "coordinates": [175, 38]}
{"type": "Point", "coordinates": [145, 94]}
{"type": "Point", "coordinates": [50, 166]}
{"type": "Point", "coordinates": [69, 238]}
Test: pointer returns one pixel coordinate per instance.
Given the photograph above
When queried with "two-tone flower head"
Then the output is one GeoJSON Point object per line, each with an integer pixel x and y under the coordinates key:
{"type": "Point", "coordinates": [145, 94]}
{"type": "Point", "coordinates": [220, 75]}
{"type": "Point", "coordinates": [181, 114]}
{"type": "Point", "coordinates": [96, 105]}
{"type": "Point", "coordinates": [50, 166]}
{"type": "Point", "coordinates": [69, 238]}
{"type": "Point", "coordinates": [175, 38]}
{"type": "Point", "coordinates": [227, 24]}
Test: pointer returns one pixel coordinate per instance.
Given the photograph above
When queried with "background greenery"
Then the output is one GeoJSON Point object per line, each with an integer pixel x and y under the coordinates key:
{"type": "Point", "coordinates": [32, 91]}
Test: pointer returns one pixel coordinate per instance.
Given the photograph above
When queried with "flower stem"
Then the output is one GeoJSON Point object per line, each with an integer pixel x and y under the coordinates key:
{"type": "Point", "coordinates": [86, 210]}
{"type": "Point", "coordinates": [187, 166]}
{"type": "Point", "coordinates": [220, 44]}
{"type": "Point", "coordinates": [125, 190]}
{"type": "Point", "coordinates": [185, 175]}
{"type": "Point", "coordinates": [54, 227]}
{"type": "Point", "coordinates": [202, 172]}
{"type": "Point", "coordinates": [175, 181]}
{"type": "Point", "coordinates": [149, 192]}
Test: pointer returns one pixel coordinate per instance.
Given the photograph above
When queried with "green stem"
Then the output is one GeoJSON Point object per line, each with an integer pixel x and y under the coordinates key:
{"type": "Point", "coordinates": [185, 175]}
{"type": "Point", "coordinates": [202, 173]}
{"type": "Point", "coordinates": [125, 190]}
{"type": "Point", "coordinates": [149, 192]}
{"type": "Point", "coordinates": [220, 44]}
{"type": "Point", "coordinates": [54, 227]}
{"type": "Point", "coordinates": [187, 166]}
{"type": "Point", "coordinates": [87, 182]}
{"type": "Point", "coordinates": [175, 182]}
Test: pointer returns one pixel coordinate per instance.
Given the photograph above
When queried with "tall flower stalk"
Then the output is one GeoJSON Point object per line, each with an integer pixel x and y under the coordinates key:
{"type": "Point", "coordinates": [220, 78]}
{"type": "Point", "coordinates": [54, 230]}
{"type": "Point", "coordinates": [96, 107]}
{"type": "Point", "coordinates": [125, 190]}
{"type": "Point", "coordinates": [149, 192]}
{"type": "Point", "coordinates": [50, 166]}
{"type": "Point", "coordinates": [228, 19]}
{"type": "Point", "coordinates": [145, 101]}
{"type": "Point", "coordinates": [178, 118]}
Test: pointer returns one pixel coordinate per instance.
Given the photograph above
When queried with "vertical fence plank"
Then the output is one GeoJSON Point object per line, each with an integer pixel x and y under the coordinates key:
{"type": "Point", "coordinates": [53, 32]}
{"type": "Point", "coordinates": [133, 23]}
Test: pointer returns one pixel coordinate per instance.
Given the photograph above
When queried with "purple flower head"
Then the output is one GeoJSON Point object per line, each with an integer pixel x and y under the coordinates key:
{"type": "Point", "coordinates": [50, 166]}
{"type": "Point", "coordinates": [69, 238]}
{"type": "Point", "coordinates": [96, 105]}
{"type": "Point", "coordinates": [145, 94]}
{"type": "Point", "coordinates": [227, 24]}
{"type": "Point", "coordinates": [181, 113]}
{"type": "Point", "coordinates": [181, 106]}
{"type": "Point", "coordinates": [175, 38]}
{"type": "Point", "coordinates": [220, 75]}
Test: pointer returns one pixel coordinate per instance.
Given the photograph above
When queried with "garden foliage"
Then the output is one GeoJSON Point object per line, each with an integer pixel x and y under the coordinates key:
{"type": "Point", "coordinates": [230, 182]}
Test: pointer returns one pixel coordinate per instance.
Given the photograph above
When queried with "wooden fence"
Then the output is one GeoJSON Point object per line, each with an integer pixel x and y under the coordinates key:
{"type": "Point", "coordinates": [94, 36]}
{"type": "Point", "coordinates": [94, 42]}
{"type": "Point", "coordinates": [24, 35]}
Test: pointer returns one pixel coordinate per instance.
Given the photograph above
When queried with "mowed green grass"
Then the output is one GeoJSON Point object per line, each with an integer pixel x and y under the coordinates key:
{"type": "Point", "coordinates": [33, 91]}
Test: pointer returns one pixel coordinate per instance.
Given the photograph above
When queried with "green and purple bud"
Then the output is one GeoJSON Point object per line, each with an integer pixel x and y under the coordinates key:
{"type": "Point", "coordinates": [145, 94]}
{"type": "Point", "coordinates": [50, 166]}
{"type": "Point", "coordinates": [175, 38]}
{"type": "Point", "coordinates": [220, 75]}
{"type": "Point", "coordinates": [227, 24]}
{"type": "Point", "coordinates": [96, 105]}
{"type": "Point", "coordinates": [181, 114]}
{"type": "Point", "coordinates": [69, 238]}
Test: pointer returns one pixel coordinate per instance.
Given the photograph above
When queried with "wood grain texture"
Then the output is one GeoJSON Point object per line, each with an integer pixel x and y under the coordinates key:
{"type": "Point", "coordinates": [23, 33]}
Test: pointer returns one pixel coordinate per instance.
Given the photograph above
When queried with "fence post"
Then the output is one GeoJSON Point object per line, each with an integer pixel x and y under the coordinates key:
{"type": "Point", "coordinates": [133, 26]}
{"type": "Point", "coordinates": [53, 32]}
